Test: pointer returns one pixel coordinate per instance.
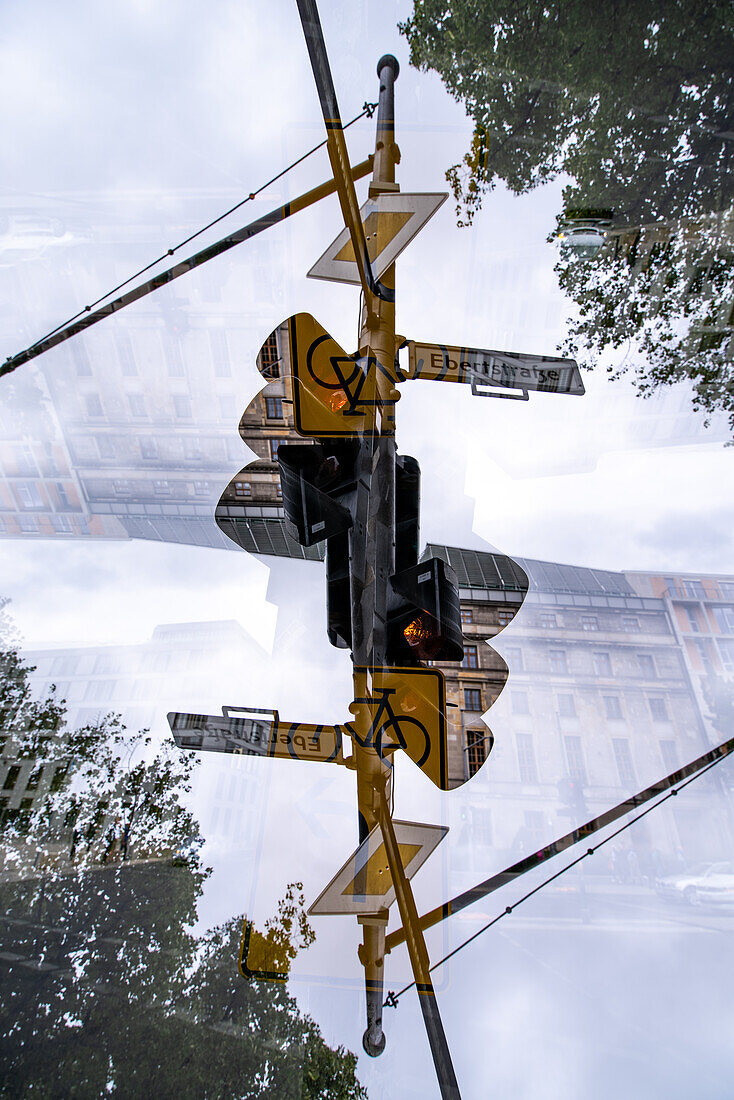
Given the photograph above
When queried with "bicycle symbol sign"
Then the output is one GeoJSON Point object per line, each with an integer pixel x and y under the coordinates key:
{"type": "Point", "coordinates": [334, 394]}
{"type": "Point", "coordinates": [407, 710]}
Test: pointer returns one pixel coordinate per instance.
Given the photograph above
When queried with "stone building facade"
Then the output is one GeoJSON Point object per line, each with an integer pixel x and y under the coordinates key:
{"type": "Point", "coordinates": [598, 691]}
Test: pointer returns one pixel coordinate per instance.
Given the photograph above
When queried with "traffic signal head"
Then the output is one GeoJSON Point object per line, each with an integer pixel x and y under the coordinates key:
{"type": "Point", "coordinates": [424, 621]}
{"type": "Point", "coordinates": [316, 482]}
{"type": "Point", "coordinates": [571, 794]}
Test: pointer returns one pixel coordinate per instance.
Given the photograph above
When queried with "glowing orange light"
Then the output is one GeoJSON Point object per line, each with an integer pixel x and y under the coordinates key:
{"type": "Point", "coordinates": [416, 632]}
{"type": "Point", "coordinates": [338, 400]}
{"type": "Point", "coordinates": [423, 637]}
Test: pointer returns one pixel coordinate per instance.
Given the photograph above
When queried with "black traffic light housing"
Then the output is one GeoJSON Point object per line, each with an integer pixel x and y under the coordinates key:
{"type": "Point", "coordinates": [318, 483]}
{"type": "Point", "coordinates": [571, 796]}
{"type": "Point", "coordinates": [424, 618]}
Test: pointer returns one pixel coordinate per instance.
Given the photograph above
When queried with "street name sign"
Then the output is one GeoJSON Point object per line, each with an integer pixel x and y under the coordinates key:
{"type": "Point", "coordinates": [494, 369]}
{"type": "Point", "coordinates": [257, 736]}
{"type": "Point", "coordinates": [391, 221]}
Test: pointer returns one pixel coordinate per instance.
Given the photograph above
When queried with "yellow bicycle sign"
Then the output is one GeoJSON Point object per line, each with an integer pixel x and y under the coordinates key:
{"type": "Point", "coordinates": [334, 394]}
{"type": "Point", "coordinates": [406, 708]}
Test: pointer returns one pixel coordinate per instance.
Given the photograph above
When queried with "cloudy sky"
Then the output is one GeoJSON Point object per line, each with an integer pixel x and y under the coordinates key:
{"type": "Point", "coordinates": [170, 110]}
{"type": "Point", "coordinates": [152, 110]}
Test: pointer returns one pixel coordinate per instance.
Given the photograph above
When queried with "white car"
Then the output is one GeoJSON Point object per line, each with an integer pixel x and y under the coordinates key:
{"type": "Point", "coordinates": [700, 885]}
{"type": "Point", "coordinates": [582, 240]}
{"type": "Point", "coordinates": [717, 885]}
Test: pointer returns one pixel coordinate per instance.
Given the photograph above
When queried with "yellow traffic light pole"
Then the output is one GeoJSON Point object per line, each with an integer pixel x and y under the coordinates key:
{"type": "Point", "coordinates": [372, 555]}
{"type": "Point", "coordinates": [372, 545]}
{"type": "Point", "coordinates": [372, 562]}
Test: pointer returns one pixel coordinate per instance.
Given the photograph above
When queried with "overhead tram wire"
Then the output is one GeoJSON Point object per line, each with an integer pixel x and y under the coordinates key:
{"type": "Point", "coordinates": [35, 349]}
{"type": "Point", "coordinates": [392, 999]}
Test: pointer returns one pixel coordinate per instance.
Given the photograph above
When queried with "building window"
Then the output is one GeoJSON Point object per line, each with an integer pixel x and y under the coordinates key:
{"type": "Point", "coordinates": [127, 359]}
{"type": "Point", "coordinates": [480, 819]}
{"type": "Point", "coordinates": [535, 828]}
{"type": "Point", "coordinates": [566, 706]}
{"type": "Point", "coordinates": [29, 495]}
{"type": "Point", "coordinates": [724, 619]}
{"type": "Point", "coordinates": [558, 663]}
{"type": "Point", "coordinates": [726, 652]}
{"type": "Point", "coordinates": [623, 757]}
{"type": "Point", "coordinates": [57, 780]}
{"type": "Point", "coordinates": [242, 489]}
{"type": "Point", "coordinates": [704, 654]}
{"type": "Point", "coordinates": [136, 401]}
{"type": "Point", "coordinates": [148, 448]}
{"type": "Point", "coordinates": [658, 708]}
{"type": "Point", "coordinates": [24, 462]}
{"type": "Point", "coordinates": [692, 617]}
{"type": "Point", "coordinates": [612, 707]}
{"type": "Point", "coordinates": [270, 357]}
{"type": "Point", "coordinates": [161, 487]}
{"type": "Point", "coordinates": [81, 360]}
{"type": "Point", "coordinates": [547, 621]}
{"type": "Point", "coordinates": [589, 622]}
{"type": "Point", "coordinates": [34, 779]}
{"type": "Point", "coordinates": [274, 444]}
{"type": "Point", "coordinates": [182, 405]}
{"type": "Point", "coordinates": [93, 404]}
{"type": "Point", "coordinates": [526, 758]}
{"type": "Point", "coordinates": [631, 624]}
{"type": "Point", "coordinates": [476, 749]}
{"type": "Point", "coordinates": [220, 353]}
{"type": "Point", "coordinates": [515, 661]}
{"type": "Point", "coordinates": [99, 690]}
{"type": "Point", "coordinates": [669, 753]}
{"type": "Point", "coordinates": [472, 699]}
{"type": "Point", "coordinates": [467, 615]}
{"type": "Point", "coordinates": [64, 666]}
{"type": "Point", "coordinates": [105, 446]}
{"type": "Point", "coordinates": [504, 618]}
{"type": "Point", "coordinates": [274, 408]}
{"type": "Point", "coordinates": [121, 487]}
{"type": "Point", "coordinates": [174, 357]}
{"type": "Point", "coordinates": [471, 657]}
{"type": "Point", "coordinates": [575, 758]}
{"type": "Point", "coordinates": [62, 525]}
{"type": "Point", "coordinates": [693, 589]}
{"type": "Point", "coordinates": [11, 778]}
{"type": "Point", "coordinates": [192, 449]}
{"type": "Point", "coordinates": [602, 664]}
{"type": "Point", "coordinates": [646, 665]}
{"type": "Point", "coordinates": [520, 703]}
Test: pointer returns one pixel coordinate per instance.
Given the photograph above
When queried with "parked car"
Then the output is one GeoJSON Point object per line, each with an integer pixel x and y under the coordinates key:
{"type": "Point", "coordinates": [702, 882]}
{"type": "Point", "coordinates": [584, 231]}
{"type": "Point", "coordinates": [583, 240]}
{"type": "Point", "coordinates": [717, 885]}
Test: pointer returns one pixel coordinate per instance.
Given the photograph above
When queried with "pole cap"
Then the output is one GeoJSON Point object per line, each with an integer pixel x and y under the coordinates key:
{"type": "Point", "coordinates": [392, 62]}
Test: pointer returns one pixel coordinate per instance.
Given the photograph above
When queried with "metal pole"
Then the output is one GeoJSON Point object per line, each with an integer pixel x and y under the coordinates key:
{"type": "Point", "coordinates": [418, 959]}
{"type": "Point", "coordinates": [372, 555]}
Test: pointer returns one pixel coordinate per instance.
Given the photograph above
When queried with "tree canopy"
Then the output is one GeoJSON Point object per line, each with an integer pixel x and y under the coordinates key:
{"type": "Point", "coordinates": [635, 102]}
{"type": "Point", "coordinates": [108, 990]}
